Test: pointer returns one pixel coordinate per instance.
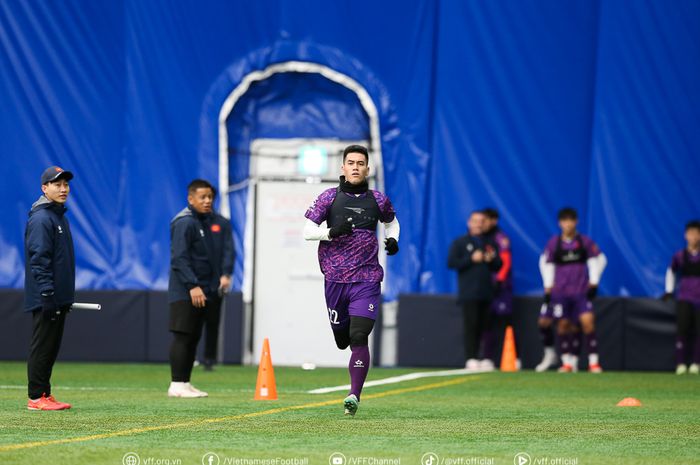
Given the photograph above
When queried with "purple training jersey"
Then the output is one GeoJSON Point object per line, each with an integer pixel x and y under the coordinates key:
{"type": "Point", "coordinates": [502, 240]}
{"type": "Point", "coordinates": [505, 274]}
{"type": "Point", "coordinates": [351, 258]}
{"type": "Point", "coordinates": [570, 279]}
{"type": "Point", "coordinates": [688, 286]}
{"type": "Point", "coordinates": [502, 303]}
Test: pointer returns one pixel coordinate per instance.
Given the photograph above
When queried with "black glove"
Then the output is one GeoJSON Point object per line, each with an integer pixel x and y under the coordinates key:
{"type": "Point", "coordinates": [49, 309]}
{"type": "Point", "coordinates": [667, 297]}
{"type": "Point", "coordinates": [340, 230]}
{"type": "Point", "coordinates": [592, 292]}
{"type": "Point", "coordinates": [391, 246]}
{"type": "Point", "coordinates": [547, 298]}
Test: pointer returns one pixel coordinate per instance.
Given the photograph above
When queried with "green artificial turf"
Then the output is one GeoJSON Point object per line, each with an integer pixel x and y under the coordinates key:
{"type": "Point", "coordinates": [482, 419]}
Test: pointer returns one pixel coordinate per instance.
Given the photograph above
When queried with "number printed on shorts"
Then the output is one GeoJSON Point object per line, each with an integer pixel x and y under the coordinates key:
{"type": "Point", "coordinates": [333, 316]}
{"type": "Point", "coordinates": [558, 311]}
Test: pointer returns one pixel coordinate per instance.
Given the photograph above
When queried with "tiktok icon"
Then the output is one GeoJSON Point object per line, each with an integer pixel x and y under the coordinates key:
{"type": "Point", "coordinates": [430, 458]}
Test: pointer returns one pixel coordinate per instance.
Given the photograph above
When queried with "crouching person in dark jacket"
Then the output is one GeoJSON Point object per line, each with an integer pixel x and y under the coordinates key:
{"type": "Point", "coordinates": [475, 257]}
{"type": "Point", "coordinates": [49, 283]}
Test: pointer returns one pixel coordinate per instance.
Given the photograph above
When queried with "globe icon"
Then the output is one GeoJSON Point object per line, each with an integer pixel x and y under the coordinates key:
{"type": "Point", "coordinates": [131, 458]}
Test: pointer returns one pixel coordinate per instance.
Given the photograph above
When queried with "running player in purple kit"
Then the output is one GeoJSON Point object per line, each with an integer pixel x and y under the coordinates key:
{"type": "Point", "coordinates": [685, 268]}
{"type": "Point", "coordinates": [348, 255]}
{"type": "Point", "coordinates": [571, 266]}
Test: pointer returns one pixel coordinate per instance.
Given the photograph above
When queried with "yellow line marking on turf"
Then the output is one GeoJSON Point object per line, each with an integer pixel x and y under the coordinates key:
{"type": "Point", "coordinates": [185, 424]}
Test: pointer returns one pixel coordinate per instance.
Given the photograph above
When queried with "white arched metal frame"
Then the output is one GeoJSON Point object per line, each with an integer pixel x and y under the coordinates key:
{"type": "Point", "coordinates": [224, 188]}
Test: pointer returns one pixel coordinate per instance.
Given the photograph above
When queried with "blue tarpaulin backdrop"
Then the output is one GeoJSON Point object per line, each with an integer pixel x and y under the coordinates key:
{"type": "Point", "coordinates": [524, 106]}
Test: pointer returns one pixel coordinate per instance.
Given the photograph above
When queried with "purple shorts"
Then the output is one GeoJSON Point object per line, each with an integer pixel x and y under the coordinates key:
{"type": "Point", "coordinates": [569, 307]}
{"type": "Point", "coordinates": [502, 304]}
{"type": "Point", "coordinates": [351, 299]}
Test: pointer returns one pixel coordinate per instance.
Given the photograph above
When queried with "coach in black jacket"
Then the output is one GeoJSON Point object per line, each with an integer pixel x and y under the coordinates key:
{"type": "Point", "coordinates": [201, 264]}
{"type": "Point", "coordinates": [49, 283]}
{"type": "Point", "coordinates": [475, 257]}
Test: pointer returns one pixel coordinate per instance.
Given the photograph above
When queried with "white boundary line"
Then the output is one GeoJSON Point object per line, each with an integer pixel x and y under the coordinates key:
{"type": "Point", "coordinates": [402, 378]}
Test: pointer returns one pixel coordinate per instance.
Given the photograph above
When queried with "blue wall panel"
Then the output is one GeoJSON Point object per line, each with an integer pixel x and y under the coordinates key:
{"type": "Point", "coordinates": [524, 106]}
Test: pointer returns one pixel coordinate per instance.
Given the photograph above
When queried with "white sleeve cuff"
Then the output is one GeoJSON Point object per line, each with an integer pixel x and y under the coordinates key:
{"type": "Point", "coordinates": [392, 229]}
{"type": "Point", "coordinates": [314, 232]}
{"type": "Point", "coordinates": [670, 281]}
{"type": "Point", "coordinates": [547, 272]}
{"type": "Point", "coordinates": [596, 265]}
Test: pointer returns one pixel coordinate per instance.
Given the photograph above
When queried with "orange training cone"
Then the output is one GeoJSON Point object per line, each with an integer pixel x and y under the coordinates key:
{"type": "Point", "coordinates": [629, 402]}
{"type": "Point", "coordinates": [265, 388]}
{"type": "Point", "coordinates": [508, 357]}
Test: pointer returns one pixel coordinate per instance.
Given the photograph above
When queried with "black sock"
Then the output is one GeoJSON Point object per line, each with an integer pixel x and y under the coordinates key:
{"type": "Point", "coordinates": [547, 336]}
{"type": "Point", "coordinates": [182, 355]}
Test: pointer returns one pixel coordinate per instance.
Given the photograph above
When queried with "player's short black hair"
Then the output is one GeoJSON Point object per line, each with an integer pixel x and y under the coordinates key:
{"type": "Point", "coordinates": [693, 224]}
{"type": "Point", "coordinates": [200, 184]}
{"type": "Point", "coordinates": [490, 213]}
{"type": "Point", "coordinates": [567, 213]}
{"type": "Point", "coordinates": [356, 149]}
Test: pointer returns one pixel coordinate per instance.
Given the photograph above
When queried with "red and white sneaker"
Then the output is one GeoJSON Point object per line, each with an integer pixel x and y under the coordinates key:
{"type": "Point", "coordinates": [66, 405]}
{"type": "Point", "coordinates": [46, 403]}
{"type": "Point", "coordinates": [566, 368]}
{"type": "Point", "coordinates": [595, 368]}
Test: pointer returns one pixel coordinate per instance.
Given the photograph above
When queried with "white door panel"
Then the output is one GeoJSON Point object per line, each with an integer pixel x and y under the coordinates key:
{"type": "Point", "coordinates": [289, 302]}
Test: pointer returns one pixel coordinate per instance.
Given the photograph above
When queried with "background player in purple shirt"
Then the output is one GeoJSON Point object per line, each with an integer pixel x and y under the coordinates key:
{"type": "Point", "coordinates": [685, 271]}
{"type": "Point", "coordinates": [571, 267]}
{"type": "Point", "coordinates": [502, 304]}
{"type": "Point", "coordinates": [348, 255]}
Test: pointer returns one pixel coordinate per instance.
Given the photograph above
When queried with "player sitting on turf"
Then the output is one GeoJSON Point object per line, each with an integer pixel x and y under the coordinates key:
{"type": "Point", "coordinates": [347, 253]}
{"type": "Point", "coordinates": [571, 267]}
{"type": "Point", "coordinates": [686, 266]}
